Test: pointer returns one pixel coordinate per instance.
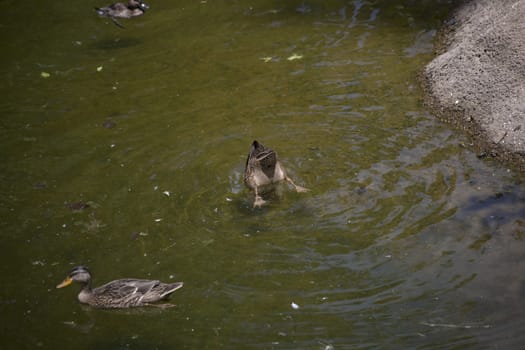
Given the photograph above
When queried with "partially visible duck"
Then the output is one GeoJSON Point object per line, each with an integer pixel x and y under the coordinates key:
{"type": "Point", "coordinates": [121, 293]}
{"type": "Point", "coordinates": [120, 10]}
{"type": "Point", "coordinates": [263, 170]}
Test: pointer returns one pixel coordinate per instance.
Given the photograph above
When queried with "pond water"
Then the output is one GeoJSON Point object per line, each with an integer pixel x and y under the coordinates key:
{"type": "Point", "coordinates": [123, 150]}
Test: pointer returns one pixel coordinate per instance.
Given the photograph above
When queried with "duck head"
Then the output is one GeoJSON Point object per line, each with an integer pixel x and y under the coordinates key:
{"type": "Point", "coordinates": [139, 4]}
{"type": "Point", "coordinates": [78, 274]}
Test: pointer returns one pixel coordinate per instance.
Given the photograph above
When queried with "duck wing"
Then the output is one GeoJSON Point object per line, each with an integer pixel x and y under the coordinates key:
{"type": "Point", "coordinates": [263, 158]}
{"type": "Point", "coordinates": [129, 291]}
{"type": "Point", "coordinates": [161, 291]}
{"type": "Point", "coordinates": [256, 149]}
{"type": "Point", "coordinates": [267, 160]}
{"type": "Point", "coordinates": [132, 292]}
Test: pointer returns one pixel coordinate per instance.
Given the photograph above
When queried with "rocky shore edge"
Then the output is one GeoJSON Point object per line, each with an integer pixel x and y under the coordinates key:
{"type": "Point", "coordinates": [477, 79]}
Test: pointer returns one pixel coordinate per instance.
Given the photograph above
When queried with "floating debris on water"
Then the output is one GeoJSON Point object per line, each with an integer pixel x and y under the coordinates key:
{"type": "Point", "coordinates": [40, 185]}
{"type": "Point", "coordinates": [325, 346]}
{"type": "Point", "coordinates": [109, 124]}
{"type": "Point", "coordinates": [294, 57]}
{"type": "Point", "coordinates": [80, 205]}
{"type": "Point", "coordinates": [295, 306]}
{"type": "Point", "coordinates": [135, 235]}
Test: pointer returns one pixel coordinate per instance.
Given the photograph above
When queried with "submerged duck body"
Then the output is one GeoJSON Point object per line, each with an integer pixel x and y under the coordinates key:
{"type": "Point", "coordinates": [120, 10]}
{"type": "Point", "coordinates": [264, 170]}
{"type": "Point", "coordinates": [122, 293]}
{"type": "Point", "coordinates": [133, 8]}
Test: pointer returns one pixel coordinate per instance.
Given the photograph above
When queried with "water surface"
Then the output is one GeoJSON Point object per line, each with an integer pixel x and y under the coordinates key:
{"type": "Point", "coordinates": [123, 150]}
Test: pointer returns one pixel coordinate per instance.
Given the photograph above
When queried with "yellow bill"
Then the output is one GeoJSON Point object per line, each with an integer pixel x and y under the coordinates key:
{"type": "Point", "coordinates": [65, 283]}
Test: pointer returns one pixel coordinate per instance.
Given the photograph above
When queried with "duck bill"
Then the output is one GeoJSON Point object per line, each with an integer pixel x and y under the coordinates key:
{"type": "Point", "coordinates": [65, 283]}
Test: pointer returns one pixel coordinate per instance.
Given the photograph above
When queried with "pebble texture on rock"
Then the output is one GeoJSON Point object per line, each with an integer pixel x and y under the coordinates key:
{"type": "Point", "coordinates": [478, 80]}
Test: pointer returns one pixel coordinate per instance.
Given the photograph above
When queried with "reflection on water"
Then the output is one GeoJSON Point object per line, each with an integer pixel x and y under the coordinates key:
{"type": "Point", "coordinates": [128, 157]}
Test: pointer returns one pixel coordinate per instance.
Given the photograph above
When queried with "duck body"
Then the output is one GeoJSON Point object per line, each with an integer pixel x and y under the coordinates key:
{"type": "Point", "coordinates": [263, 170]}
{"type": "Point", "coordinates": [121, 293]}
{"type": "Point", "coordinates": [120, 10]}
{"type": "Point", "coordinates": [262, 167]}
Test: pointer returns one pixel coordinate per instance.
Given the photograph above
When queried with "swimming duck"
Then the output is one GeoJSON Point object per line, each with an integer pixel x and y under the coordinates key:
{"type": "Point", "coordinates": [120, 10]}
{"type": "Point", "coordinates": [122, 293]}
{"type": "Point", "coordinates": [263, 170]}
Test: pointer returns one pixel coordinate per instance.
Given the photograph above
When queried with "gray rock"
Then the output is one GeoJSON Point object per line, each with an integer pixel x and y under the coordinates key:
{"type": "Point", "coordinates": [477, 82]}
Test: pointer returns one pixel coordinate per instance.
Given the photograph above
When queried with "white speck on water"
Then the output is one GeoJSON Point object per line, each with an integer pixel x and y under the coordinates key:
{"type": "Point", "coordinates": [295, 306]}
{"type": "Point", "coordinates": [326, 346]}
{"type": "Point", "coordinates": [167, 193]}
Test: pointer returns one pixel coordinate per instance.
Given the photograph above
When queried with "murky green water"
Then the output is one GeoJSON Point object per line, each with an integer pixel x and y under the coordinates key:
{"type": "Point", "coordinates": [406, 240]}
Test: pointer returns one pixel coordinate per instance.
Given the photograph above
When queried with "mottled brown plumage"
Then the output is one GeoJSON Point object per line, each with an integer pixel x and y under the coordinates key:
{"type": "Point", "coordinates": [264, 170]}
{"type": "Point", "coordinates": [122, 293]}
{"type": "Point", "coordinates": [133, 8]}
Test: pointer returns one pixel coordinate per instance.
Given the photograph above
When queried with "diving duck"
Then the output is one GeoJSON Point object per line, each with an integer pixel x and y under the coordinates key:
{"type": "Point", "coordinates": [122, 293]}
{"type": "Point", "coordinates": [120, 10]}
{"type": "Point", "coordinates": [263, 170]}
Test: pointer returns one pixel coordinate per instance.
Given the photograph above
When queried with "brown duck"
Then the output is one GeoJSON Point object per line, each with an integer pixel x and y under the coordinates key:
{"type": "Point", "coordinates": [122, 293]}
{"type": "Point", "coordinates": [263, 170]}
{"type": "Point", "coordinates": [120, 10]}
